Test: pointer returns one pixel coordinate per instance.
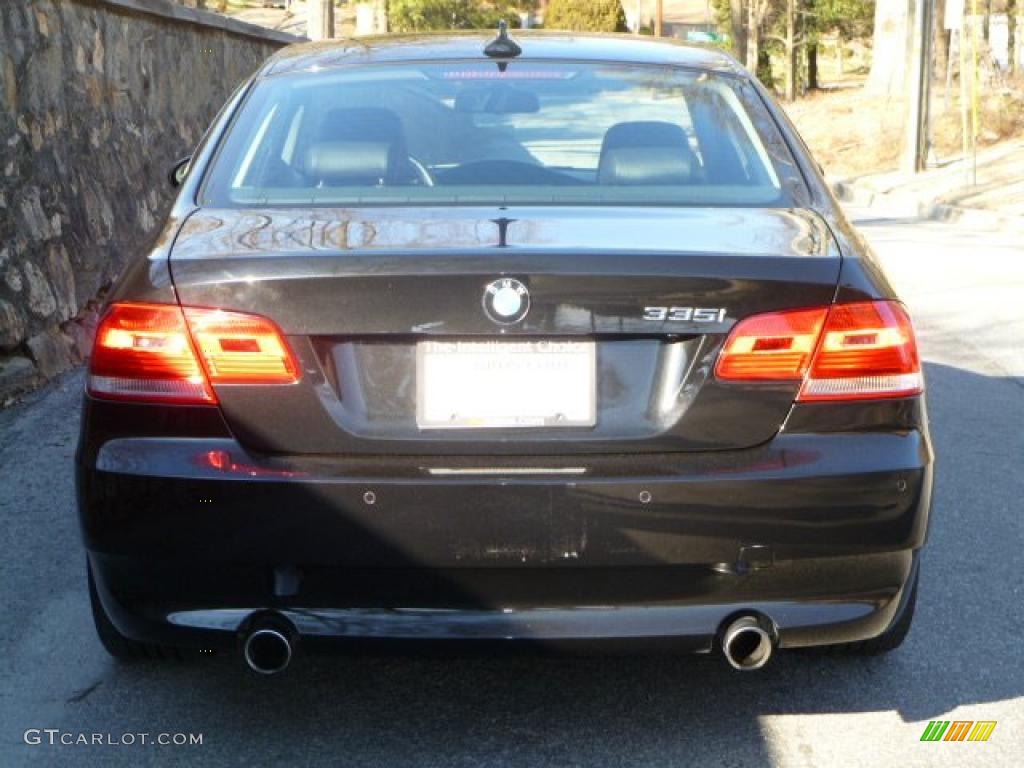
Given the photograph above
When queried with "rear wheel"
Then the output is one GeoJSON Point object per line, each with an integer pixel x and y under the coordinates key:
{"type": "Point", "coordinates": [116, 644]}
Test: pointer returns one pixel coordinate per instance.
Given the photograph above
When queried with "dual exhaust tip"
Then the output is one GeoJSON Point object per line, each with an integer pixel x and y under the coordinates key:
{"type": "Point", "coordinates": [747, 644]}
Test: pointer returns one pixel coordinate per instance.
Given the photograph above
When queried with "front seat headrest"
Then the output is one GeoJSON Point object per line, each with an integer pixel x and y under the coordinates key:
{"type": "Point", "coordinates": [646, 153]}
{"type": "Point", "coordinates": [358, 146]}
{"type": "Point", "coordinates": [349, 163]}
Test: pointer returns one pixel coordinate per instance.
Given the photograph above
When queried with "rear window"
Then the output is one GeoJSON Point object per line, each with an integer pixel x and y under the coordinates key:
{"type": "Point", "coordinates": [469, 133]}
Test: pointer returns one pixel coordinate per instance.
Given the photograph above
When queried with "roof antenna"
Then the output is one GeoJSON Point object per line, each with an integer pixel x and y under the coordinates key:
{"type": "Point", "coordinates": [503, 46]}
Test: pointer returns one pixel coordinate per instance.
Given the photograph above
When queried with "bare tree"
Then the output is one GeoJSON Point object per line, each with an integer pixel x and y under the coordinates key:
{"type": "Point", "coordinates": [812, 30]}
{"type": "Point", "coordinates": [738, 28]}
{"type": "Point", "coordinates": [1011, 20]}
{"type": "Point", "coordinates": [792, 44]}
{"type": "Point", "coordinates": [757, 15]}
{"type": "Point", "coordinates": [792, 39]}
{"type": "Point", "coordinates": [942, 38]}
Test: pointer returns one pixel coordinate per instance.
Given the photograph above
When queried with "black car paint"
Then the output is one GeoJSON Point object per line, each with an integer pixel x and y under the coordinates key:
{"type": "Point", "coordinates": [817, 526]}
{"type": "Point", "coordinates": [589, 275]}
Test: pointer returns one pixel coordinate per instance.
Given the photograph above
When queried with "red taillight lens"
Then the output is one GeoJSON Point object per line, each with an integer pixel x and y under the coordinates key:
{"type": "Point", "coordinates": [847, 351]}
{"type": "Point", "coordinates": [241, 349]}
{"type": "Point", "coordinates": [773, 346]}
{"type": "Point", "coordinates": [149, 352]}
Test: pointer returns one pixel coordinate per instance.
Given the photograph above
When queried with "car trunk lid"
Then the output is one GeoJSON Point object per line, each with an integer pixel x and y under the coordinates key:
{"type": "Point", "coordinates": [650, 294]}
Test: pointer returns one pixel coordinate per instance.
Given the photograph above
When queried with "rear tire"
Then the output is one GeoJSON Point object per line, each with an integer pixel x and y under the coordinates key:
{"type": "Point", "coordinates": [889, 640]}
{"type": "Point", "coordinates": [116, 644]}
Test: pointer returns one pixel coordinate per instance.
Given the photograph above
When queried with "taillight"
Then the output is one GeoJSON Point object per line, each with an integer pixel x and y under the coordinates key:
{"type": "Point", "coordinates": [867, 350]}
{"type": "Point", "coordinates": [149, 352]}
{"type": "Point", "coordinates": [843, 352]}
{"type": "Point", "coordinates": [143, 352]}
{"type": "Point", "coordinates": [773, 346]}
{"type": "Point", "coordinates": [241, 349]}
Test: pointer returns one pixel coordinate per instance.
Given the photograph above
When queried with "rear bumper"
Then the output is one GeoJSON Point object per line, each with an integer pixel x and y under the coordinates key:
{"type": "Point", "coordinates": [819, 532]}
{"type": "Point", "coordinates": [818, 603]}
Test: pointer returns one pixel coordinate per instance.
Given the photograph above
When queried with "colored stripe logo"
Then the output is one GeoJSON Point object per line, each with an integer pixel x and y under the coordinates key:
{"type": "Point", "coordinates": [958, 730]}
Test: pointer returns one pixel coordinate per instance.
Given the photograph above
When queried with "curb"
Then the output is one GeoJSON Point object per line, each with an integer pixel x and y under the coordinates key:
{"type": "Point", "coordinates": [929, 209]}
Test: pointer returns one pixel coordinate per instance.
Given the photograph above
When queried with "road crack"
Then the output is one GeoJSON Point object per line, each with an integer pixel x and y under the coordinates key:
{"type": "Point", "coordinates": [83, 694]}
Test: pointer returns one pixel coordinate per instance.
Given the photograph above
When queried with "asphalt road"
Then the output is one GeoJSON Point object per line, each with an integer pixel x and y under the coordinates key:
{"type": "Point", "coordinates": [961, 661]}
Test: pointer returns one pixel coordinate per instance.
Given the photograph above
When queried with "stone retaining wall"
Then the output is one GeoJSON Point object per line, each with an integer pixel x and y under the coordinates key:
{"type": "Point", "coordinates": [97, 98]}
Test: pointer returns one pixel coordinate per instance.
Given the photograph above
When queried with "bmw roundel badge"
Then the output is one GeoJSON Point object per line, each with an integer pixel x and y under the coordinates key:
{"type": "Point", "coordinates": [506, 300]}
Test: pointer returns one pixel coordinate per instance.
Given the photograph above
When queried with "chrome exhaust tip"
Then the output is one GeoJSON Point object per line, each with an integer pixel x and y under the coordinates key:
{"type": "Point", "coordinates": [267, 650]}
{"type": "Point", "coordinates": [746, 644]}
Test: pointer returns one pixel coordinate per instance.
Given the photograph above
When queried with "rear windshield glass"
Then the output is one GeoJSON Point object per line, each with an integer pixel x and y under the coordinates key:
{"type": "Point", "coordinates": [468, 133]}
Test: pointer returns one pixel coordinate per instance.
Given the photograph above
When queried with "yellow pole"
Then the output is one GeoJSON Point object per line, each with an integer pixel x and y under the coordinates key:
{"type": "Point", "coordinates": [965, 109]}
{"type": "Point", "coordinates": [975, 87]}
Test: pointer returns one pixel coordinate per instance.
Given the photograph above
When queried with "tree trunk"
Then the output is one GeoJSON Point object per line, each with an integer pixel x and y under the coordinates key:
{"type": "Point", "coordinates": [889, 49]}
{"type": "Point", "coordinates": [758, 60]}
{"type": "Point", "coordinates": [791, 50]}
{"type": "Point", "coordinates": [753, 36]}
{"type": "Point", "coordinates": [1011, 43]}
{"type": "Point", "coordinates": [764, 69]}
{"type": "Point", "coordinates": [811, 31]}
{"type": "Point", "coordinates": [738, 29]}
{"type": "Point", "coordinates": [941, 39]}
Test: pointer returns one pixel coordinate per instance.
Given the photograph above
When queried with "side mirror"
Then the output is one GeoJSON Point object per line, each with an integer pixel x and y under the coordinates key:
{"type": "Point", "coordinates": [179, 171]}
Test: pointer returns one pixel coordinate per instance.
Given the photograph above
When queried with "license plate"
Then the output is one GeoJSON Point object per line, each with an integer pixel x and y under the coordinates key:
{"type": "Point", "coordinates": [505, 384]}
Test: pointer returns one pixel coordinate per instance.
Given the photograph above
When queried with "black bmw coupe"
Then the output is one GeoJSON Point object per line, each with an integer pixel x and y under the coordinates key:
{"type": "Point", "coordinates": [548, 341]}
